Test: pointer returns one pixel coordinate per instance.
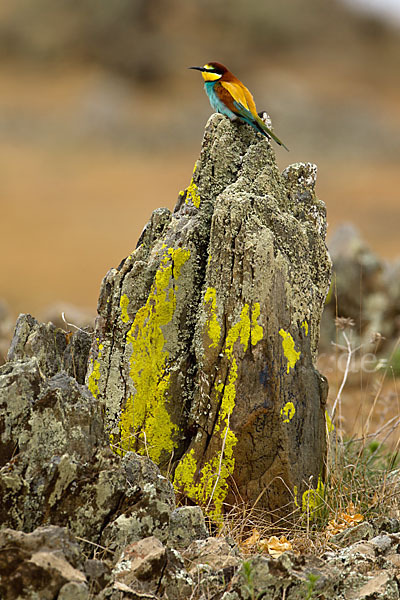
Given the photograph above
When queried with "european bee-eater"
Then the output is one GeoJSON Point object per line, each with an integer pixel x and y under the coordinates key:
{"type": "Point", "coordinates": [231, 98]}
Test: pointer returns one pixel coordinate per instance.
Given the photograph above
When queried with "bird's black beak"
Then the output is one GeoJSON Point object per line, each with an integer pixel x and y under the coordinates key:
{"type": "Point", "coordinates": [198, 68]}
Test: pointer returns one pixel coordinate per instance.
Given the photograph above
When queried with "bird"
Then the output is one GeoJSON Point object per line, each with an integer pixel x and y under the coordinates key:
{"type": "Point", "coordinates": [230, 97]}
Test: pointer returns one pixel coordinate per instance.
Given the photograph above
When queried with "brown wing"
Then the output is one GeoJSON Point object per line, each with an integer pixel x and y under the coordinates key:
{"type": "Point", "coordinates": [240, 94]}
{"type": "Point", "coordinates": [225, 96]}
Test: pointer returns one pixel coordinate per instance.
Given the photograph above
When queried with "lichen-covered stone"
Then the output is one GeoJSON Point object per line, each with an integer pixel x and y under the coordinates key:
{"type": "Point", "coordinates": [98, 573]}
{"type": "Point", "coordinates": [152, 502]}
{"type": "Point", "coordinates": [283, 577]}
{"type": "Point", "coordinates": [57, 467]}
{"type": "Point", "coordinates": [366, 570]}
{"type": "Point", "coordinates": [187, 524]}
{"type": "Point", "coordinates": [207, 333]}
{"type": "Point", "coordinates": [219, 553]}
{"type": "Point", "coordinates": [351, 535]}
{"type": "Point", "coordinates": [39, 564]}
{"type": "Point", "coordinates": [385, 524]}
{"type": "Point", "coordinates": [19, 384]}
{"type": "Point", "coordinates": [356, 572]}
{"type": "Point", "coordinates": [54, 349]}
{"type": "Point", "coordinates": [74, 591]}
{"type": "Point", "coordinates": [147, 566]}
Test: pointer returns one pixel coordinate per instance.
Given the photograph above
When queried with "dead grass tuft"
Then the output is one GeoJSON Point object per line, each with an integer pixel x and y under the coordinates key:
{"type": "Point", "coordinates": [363, 469]}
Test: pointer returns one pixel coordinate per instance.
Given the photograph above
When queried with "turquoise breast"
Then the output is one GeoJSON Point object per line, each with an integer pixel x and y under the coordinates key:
{"type": "Point", "coordinates": [215, 102]}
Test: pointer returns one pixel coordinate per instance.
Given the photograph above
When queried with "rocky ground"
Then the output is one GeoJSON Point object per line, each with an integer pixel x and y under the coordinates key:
{"type": "Point", "coordinates": [49, 563]}
{"type": "Point", "coordinates": [80, 522]}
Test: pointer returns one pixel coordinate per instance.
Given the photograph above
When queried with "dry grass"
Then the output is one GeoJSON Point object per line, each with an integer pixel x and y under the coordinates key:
{"type": "Point", "coordinates": [363, 483]}
{"type": "Point", "coordinates": [363, 474]}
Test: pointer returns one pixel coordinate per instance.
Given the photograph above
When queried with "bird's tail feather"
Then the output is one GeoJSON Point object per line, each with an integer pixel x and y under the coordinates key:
{"type": "Point", "coordinates": [257, 123]}
{"type": "Point", "coordinates": [262, 128]}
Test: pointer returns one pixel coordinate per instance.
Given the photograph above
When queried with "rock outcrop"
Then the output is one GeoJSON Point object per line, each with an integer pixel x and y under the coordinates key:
{"type": "Point", "coordinates": [206, 336]}
{"type": "Point", "coordinates": [70, 508]}
{"type": "Point", "coordinates": [45, 564]}
{"type": "Point", "coordinates": [56, 466]}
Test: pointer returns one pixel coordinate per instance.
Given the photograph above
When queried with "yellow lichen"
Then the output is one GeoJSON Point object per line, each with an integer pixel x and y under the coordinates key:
{"type": "Point", "coordinates": [240, 329]}
{"type": "Point", "coordinates": [229, 397]}
{"type": "Point", "coordinates": [312, 499]}
{"type": "Point", "coordinates": [288, 349]}
{"type": "Point", "coordinates": [214, 328]}
{"type": "Point", "coordinates": [213, 482]}
{"type": "Point", "coordinates": [124, 303]}
{"type": "Point", "coordinates": [127, 442]}
{"type": "Point", "coordinates": [192, 192]}
{"type": "Point", "coordinates": [295, 493]}
{"type": "Point", "coordinates": [329, 425]}
{"type": "Point", "coordinates": [288, 412]}
{"type": "Point", "coordinates": [212, 485]}
{"type": "Point", "coordinates": [93, 380]}
{"type": "Point", "coordinates": [146, 416]}
{"type": "Point", "coordinates": [186, 470]}
{"type": "Point", "coordinates": [304, 324]}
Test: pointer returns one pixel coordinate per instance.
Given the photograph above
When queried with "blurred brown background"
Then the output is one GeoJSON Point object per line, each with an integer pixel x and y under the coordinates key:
{"type": "Point", "coordinates": [100, 122]}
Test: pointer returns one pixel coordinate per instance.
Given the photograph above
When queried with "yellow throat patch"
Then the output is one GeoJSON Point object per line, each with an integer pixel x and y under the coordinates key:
{"type": "Point", "coordinates": [207, 76]}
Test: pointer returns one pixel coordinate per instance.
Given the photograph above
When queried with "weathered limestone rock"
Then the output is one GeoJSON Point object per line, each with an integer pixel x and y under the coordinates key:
{"type": "Point", "coordinates": [366, 569]}
{"type": "Point", "coordinates": [212, 563]}
{"type": "Point", "coordinates": [218, 553]}
{"type": "Point", "coordinates": [40, 564]}
{"type": "Point", "coordinates": [54, 349]}
{"type": "Point", "coordinates": [149, 567]}
{"type": "Point", "coordinates": [152, 500]}
{"type": "Point", "coordinates": [206, 334]}
{"type": "Point", "coordinates": [187, 524]}
{"type": "Point", "coordinates": [55, 462]}
{"type": "Point", "coordinates": [362, 531]}
{"type": "Point", "coordinates": [283, 577]}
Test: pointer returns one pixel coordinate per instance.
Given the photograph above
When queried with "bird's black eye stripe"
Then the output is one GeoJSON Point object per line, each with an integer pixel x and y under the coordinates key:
{"type": "Point", "coordinates": [211, 69]}
{"type": "Point", "coordinates": [214, 70]}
